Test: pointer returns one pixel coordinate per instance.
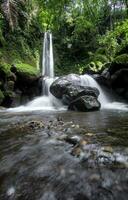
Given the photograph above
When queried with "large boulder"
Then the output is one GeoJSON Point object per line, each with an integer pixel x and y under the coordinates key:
{"type": "Point", "coordinates": [59, 86]}
{"type": "Point", "coordinates": [74, 91]}
{"type": "Point", "coordinates": [85, 103]}
{"type": "Point", "coordinates": [69, 90]}
{"type": "Point", "coordinates": [119, 82]}
{"type": "Point", "coordinates": [116, 75]}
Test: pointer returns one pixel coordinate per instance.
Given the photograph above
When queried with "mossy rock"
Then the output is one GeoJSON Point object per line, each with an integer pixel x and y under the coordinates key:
{"type": "Point", "coordinates": [10, 85]}
{"type": "Point", "coordinates": [9, 94]}
{"type": "Point", "coordinates": [25, 69]}
{"type": "Point", "coordinates": [4, 69]}
{"type": "Point", "coordinates": [1, 96]}
{"type": "Point", "coordinates": [25, 73]}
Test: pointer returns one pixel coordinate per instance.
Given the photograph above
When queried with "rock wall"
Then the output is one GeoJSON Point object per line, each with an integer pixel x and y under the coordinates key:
{"type": "Point", "coordinates": [17, 88]}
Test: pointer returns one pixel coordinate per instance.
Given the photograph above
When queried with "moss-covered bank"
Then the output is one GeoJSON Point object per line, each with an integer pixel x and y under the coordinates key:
{"type": "Point", "coordinates": [18, 83]}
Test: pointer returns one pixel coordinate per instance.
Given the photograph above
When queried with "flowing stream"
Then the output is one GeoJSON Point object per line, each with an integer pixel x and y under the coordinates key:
{"type": "Point", "coordinates": [63, 155]}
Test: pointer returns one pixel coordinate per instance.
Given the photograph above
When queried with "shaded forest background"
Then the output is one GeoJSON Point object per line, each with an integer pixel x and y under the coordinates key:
{"type": "Point", "coordinates": [87, 34]}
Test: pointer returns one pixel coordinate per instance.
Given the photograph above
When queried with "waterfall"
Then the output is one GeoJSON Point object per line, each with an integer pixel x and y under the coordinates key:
{"type": "Point", "coordinates": [47, 60]}
{"type": "Point", "coordinates": [47, 101]}
{"type": "Point", "coordinates": [87, 80]}
{"type": "Point", "coordinates": [47, 64]}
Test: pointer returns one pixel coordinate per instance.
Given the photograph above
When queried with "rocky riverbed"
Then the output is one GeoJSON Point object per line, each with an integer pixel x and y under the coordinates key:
{"type": "Point", "coordinates": [64, 156]}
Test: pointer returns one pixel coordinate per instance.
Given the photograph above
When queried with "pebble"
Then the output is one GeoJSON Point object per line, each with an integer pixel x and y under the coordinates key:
{"type": "Point", "coordinates": [108, 149]}
{"type": "Point", "coordinates": [73, 140]}
{"type": "Point", "coordinates": [94, 177]}
{"type": "Point", "coordinates": [76, 151]}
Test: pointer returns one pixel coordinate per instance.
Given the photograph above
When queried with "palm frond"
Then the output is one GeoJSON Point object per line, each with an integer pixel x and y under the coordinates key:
{"type": "Point", "coordinates": [10, 9]}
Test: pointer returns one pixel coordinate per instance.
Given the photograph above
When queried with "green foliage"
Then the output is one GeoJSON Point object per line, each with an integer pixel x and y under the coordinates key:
{"type": "Point", "coordinates": [115, 40]}
{"type": "Point", "coordinates": [26, 69]}
{"type": "Point", "coordinates": [79, 27]}
{"type": "Point", "coordinates": [4, 67]}
{"type": "Point", "coordinates": [122, 59]}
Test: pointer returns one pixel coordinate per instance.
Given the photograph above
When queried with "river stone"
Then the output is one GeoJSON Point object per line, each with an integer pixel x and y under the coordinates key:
{"type": "Point", "coordinates": [59, 86]}
{"type": "Point", "coordinates": [85, 103]}
{"type": "Point", "coordinates": [10, 85]}
{"type": "Point", "coordinates": [72, 92]}
{"type": "Point", "coordinates": [68, 89]}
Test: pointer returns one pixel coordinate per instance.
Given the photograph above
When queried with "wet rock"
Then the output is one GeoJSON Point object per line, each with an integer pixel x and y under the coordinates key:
{"type": "Point", "coordinates": [115, 76]}
{"type": "Point", "coordinates": [11, 77]}
{"type": "Point", "coordinates": [94, 177]}
{"type": "Point", "coordinates": [59, 86]}
{"type": "Point", "coordinates": [36, 124]}
{"type": "Point", "coordinates": [85, 103]}
{"type": "Point", "coordinates": [10, 85]}
{"type": "Point", "coordinates": [90, 134]}
{"type": "Point", "coordinates": [83, 142]}
{"type": "Point", "coordinates": [73, 140]}
{"type": "Point", "coordinates": [62, 137]}
{"type": "Point", "coordinates": [75, 126]}
{"type": "Point", "coordinates": [108, 149]}
{"type": "Point", "coordinates": [77, 97]}
{"type": "Point", "coordinates": [103, 79]}
{"type": "Point", "coordinates": [68, 130]}
{"type": "Point", "coordinates": [73, 92]}
{"type": "Point", "coordinates": [119, 82]}
{"type": "Point", "coordinates": [77, 151]}
{"type": "Point", "coordinates": [9, 97]}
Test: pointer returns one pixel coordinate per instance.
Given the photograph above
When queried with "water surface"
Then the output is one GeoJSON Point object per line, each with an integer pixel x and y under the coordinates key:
{"type": "Point", "coordinates": [64, 155]}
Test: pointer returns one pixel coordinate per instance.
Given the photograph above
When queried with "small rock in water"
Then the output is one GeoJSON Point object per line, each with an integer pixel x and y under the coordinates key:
{"type": "Point", "coordinates": [73, 140]}
{"type": "Point", "coordinates": [89, 134]}
{"type": "Point", "coordinates": [76, 151]}
{"type": "Point", "coordinates": [36, 124]}
{"type": "Point", "coordinates": [68, 130]}
{"type": "Point", "coordinates": [108, 149]}
{"type": "Point", "coordinates": [75, 126]}
{"type": "Point", "coordinates": [94, 177]}
{"type": "Point", "coordinates": [83, 142]}
{"type": "Point", "coordinates": [62, 137]}
{"type": "Point", "coordinates": [59, 118]}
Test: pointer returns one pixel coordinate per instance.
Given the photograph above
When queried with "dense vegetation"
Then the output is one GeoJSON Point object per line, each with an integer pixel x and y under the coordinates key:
{"type": "Point", "coordinates": [87, 33]}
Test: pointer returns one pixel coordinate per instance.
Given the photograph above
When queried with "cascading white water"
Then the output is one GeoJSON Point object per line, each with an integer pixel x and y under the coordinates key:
{"type": "Point", "coordinates": [47, 60]}
{"type": "Point", "coordinates": [105, 101]}
{"type": "Point", "coordinates": [46, 101]}
{"type": "Point", "coordinates": [47, 64]}
{"type": "Point", "coordinates": [87, 80]}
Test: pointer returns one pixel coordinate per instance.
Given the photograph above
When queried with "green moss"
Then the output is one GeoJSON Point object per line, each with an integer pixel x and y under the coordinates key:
{"type": "Point", "coordinates": [26, 69]}
{"type": "Point", "coordinates": [1, 96]}
{"type": "Point", "coordinates": [4, 67]}
{"type": "Point", "coordinates": [123, 59]}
